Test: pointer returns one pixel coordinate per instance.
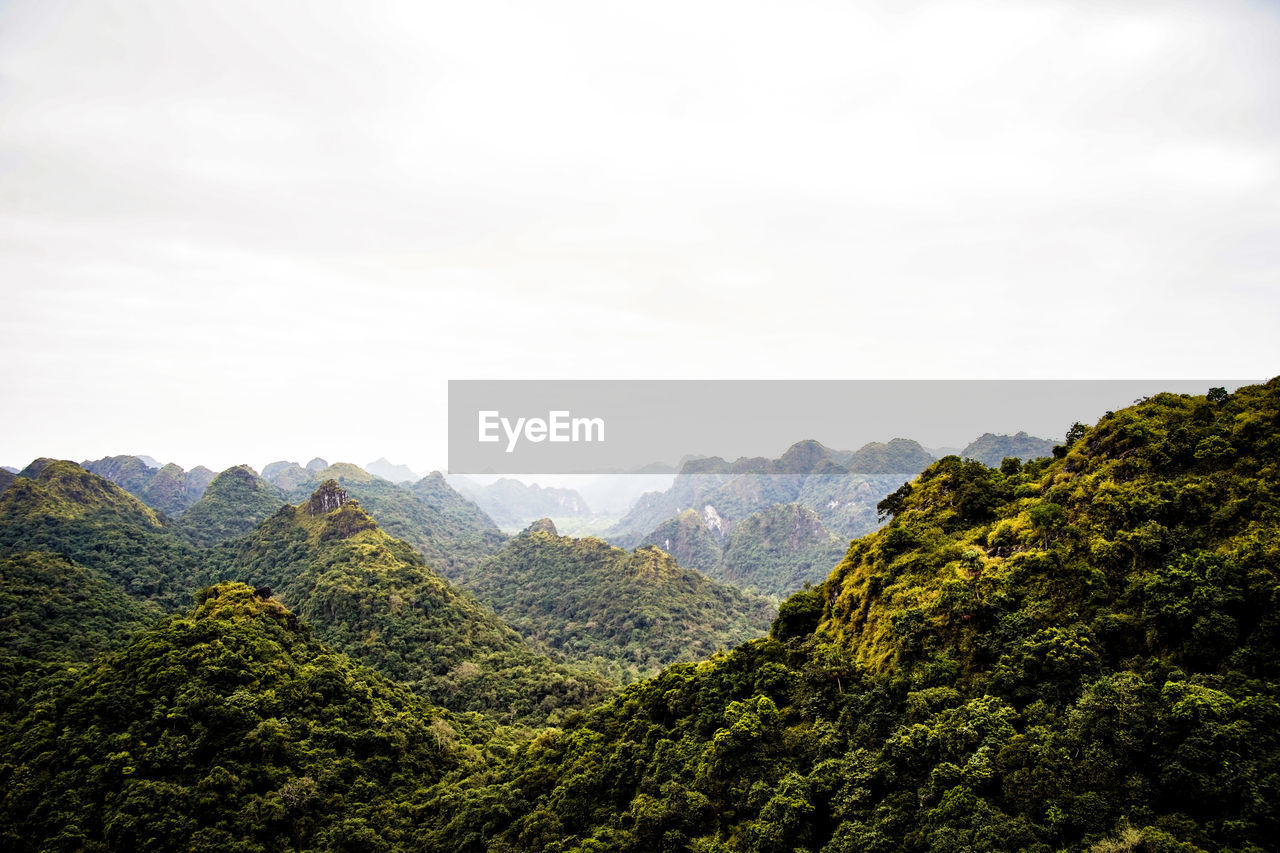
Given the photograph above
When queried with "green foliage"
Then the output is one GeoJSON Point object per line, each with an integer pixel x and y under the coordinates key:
{"type": "Point", "coordinates": [169, 489]}
{"type": "Point", "coordinates": [373, 597]}
{"type": "Point", "coordinates": [60, 509]}
{"type": "Point", "coordinates": [778, 550]}
{"type": "Point", "coordinates": [446, 528]}
{"type": "Point", "coordinates": [54, 609]}
{"type": "Point", "coordinates": [234, 503]}
{"type": "Point", "coordinates": [624, 614]}
{"type": "Point", "coordinates": [226, 728]}
{"type": "Point", "coordinates": [1077, 653]}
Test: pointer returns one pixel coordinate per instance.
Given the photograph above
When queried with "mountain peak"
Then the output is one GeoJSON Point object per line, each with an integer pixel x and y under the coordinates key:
{"type": "Point", "coordinates": [543, 525]}
{"type": "Point", "coordinates": [317, 464]}
{"type": "Point", "coordinates": [327, 498]}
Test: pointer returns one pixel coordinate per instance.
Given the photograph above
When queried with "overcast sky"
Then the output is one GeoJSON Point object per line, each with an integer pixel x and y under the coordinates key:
{"type": "Point", "coordinates": [241, 231]}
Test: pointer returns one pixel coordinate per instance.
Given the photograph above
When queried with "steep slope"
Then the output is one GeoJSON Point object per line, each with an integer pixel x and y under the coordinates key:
{"type": "Point", "coordinates": [1079, 654]}
{"type": "Point", "coordinates": [167, 488]}
{"type": "Point", "coordinates": [779, 550]}
{"type": "Point", "coordinates": [237, 501]}
{"type": "Point", "coordinates": [687, 538]}
{"type": "Point", "coordinates": [56, 507]}
{"type": "Point", "coordinates": [625, 614]}
{"type": "Point", "coordinates": [991, 449]}
{"type": "Point", "coordinates": [446, 528]}
{"type": "Point", "coordinates": [54, 609]}
{"type": "Point", "coordinates": [774, 552]}
{"type": "Point", "coordinates": [227, 728]}
{"type": "Point", "coordinates": [6, 479]}
{"type": "Point", "coordinates": [374, 598]}
{"type": "Point", "coordinates": [128, 472]}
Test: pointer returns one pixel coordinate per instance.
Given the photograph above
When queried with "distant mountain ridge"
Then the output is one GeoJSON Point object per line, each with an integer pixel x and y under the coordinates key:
{"type": "Point", "coordinates": [167, 488]}
{"type": "Point", "coordinates": [392, 473]}
{"type": "Point", "coordinates": [991, 449]}
{"type": "Point", "coordinates": [513, 504]}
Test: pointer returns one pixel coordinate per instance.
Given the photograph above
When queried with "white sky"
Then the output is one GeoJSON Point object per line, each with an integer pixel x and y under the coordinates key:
{"type": "Point", "coordinates": [242, 231]}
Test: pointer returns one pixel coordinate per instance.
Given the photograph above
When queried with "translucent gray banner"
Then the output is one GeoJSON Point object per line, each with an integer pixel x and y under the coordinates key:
{"type": "Point", "coordinates": [611, 427]}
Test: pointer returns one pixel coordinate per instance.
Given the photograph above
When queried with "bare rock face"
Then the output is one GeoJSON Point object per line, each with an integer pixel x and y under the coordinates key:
{"type": "Point", "coordinates": [327, 498]}
{"type": "Point", "coordinates": [542, 525]}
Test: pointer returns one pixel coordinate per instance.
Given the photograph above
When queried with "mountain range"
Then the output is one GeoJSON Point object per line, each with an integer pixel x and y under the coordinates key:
{"type": "Point", "coordinates": [1080, 652]}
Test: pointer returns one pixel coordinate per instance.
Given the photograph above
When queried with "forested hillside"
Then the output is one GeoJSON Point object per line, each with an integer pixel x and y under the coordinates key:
{"type": "Point", "coordinates": [1081, 654]}
{"type": "Point", "coordinates": [228, 727]}
{"type": "Point", "coordinates": [167, 488]}
{"type": "Point", "coordinates": [374, 597]}
{"type": "Point", "coordinates": [446, 528]}
{"type": "Point", "coordinates": [234, 503]}
{"type": "Point", "coordinates": [626, 614]}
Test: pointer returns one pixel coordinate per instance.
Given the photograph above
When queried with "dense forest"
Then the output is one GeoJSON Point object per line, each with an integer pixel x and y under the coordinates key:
{"type": "Point", "coordinates": [1078, 652]}
{"type": "Point", "coordinates": [624, 614]}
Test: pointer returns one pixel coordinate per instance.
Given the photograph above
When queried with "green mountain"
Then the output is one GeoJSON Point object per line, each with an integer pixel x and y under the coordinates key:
{"type": "Point", "coordinates": [234, 503]}
{"type": "Point", "coordinates": [54, 609]}
{"type": "Point", "coordinates": [775, 551]}
{"type": "Point", "coordinates": [625, 614]}
{"type": "Point", "coordinates": [6, 479]}
{"type": "Point", "coordinates": [1078, 654]}
{"type": "Point", "coordinates": [374, 597]}
{"type": "Point", "coordinates": [991, 449]}
{"type": "Point", "coordinates": [445, 527]}
{"type": "Point", "coordinates": [167, 488]}
{"type": "Point", "coordinates": [687, 538]}
{"type": "Point", "coordinates": [227, 728]}
{"type": "Point", "coordinates": [778, 550]}
{"type": "Point", "coordinates": [58, 508]}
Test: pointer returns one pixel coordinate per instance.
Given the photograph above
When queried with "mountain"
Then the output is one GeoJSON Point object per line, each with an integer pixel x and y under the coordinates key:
{"type": "Point", "coordinates": [392, 473]}
{"type": "Point", "coordinates": [840, 488]}
{"type": "Point", "coordinates": [445, 527]}
{"type": "Point", "coordinates": [234, 503]}
{"type": "Point", "coordinates": [6, 479]}
{"type": "Point", "coordinates": [775, 551]}
{"type": "Point", "coordinates": [53, 609]}
{"type": "Point", "coordinates": [687, 538]}
{"type": "Point", "coordinates": [895, 457]}
{"type": "Point", "coordinates": [513, 504]}
{"type": "Point", "coordinates": [128, 472]}
{"type": "Point", "coordinates": [1081, 653]}
{"type": "Point", "coordinates": [287, 475]}
{"type": "Point", "coordinates": [625, 614]}
{"type": "Point", "coordinates": [228, 727]}
{"type": "Point", "coordinates": [374, 597]}
{"type": "Point", "coordinates": [167, 488]}
{"type": "Point", "coordinates": [58, 508]}
{"type": "Point", "coordinates": [991, 449]}
{"type": "Point", "coordinates": [316, 465]}
{"type": "Point", "coordinates": [778, 550]}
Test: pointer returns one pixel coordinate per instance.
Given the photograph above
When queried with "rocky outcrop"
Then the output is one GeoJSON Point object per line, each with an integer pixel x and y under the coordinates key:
{"type": "Point", "coordinates": [327, 498]}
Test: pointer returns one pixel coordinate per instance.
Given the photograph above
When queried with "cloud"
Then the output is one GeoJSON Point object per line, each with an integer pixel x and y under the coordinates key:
{"type": "Point", "coordinates": [222, 219]}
